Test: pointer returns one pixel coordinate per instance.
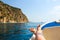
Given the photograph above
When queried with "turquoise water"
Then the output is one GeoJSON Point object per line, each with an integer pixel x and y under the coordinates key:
{"type": "Point", "coordinates": [16, 31]}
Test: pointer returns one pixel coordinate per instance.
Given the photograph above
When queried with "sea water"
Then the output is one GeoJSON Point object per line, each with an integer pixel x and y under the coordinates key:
{"type": "Point", "coordinates": [16, 31]}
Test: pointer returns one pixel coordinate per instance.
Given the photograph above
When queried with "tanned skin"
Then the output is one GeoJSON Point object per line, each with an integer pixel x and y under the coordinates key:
{"type": "Point", "coordinates": [38, 33]}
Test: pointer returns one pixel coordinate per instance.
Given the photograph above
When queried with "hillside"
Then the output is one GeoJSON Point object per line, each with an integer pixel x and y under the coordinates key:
{"type": "Point", "coordinates": [11, 14]}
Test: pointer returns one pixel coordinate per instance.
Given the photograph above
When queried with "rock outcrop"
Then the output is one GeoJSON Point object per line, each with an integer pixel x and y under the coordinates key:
{"type": "Point", "coordinates": [11, 14]}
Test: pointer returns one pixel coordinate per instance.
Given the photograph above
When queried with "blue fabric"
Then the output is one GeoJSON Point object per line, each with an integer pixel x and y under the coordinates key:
{"type": "Point", "coordinates": [51, 24]}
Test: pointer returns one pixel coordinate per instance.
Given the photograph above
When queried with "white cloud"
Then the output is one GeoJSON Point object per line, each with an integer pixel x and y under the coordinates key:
{"type": "Point", "coordinates": [53, 0]}
{"type": "Point", "coordinates": [57, 8]}
{"type": "Point", "coordinates": [54, 14]}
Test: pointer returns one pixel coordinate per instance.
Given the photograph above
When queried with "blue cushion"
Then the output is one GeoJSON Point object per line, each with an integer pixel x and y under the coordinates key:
{"type": "Point", "coordinates": [51, 24]}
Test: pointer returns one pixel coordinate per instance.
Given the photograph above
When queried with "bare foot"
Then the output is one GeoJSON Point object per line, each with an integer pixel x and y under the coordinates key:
{"type": "Point", "coordinates": [33, 30]}
{"type": "Point", "coordinates": [38, 29]}
{"type": "Point", "coordinates": [38, 33]}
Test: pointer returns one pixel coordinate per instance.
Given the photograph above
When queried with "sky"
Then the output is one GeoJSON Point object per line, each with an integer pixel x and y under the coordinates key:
{"type": "Point", "coordinates": [38, 10]}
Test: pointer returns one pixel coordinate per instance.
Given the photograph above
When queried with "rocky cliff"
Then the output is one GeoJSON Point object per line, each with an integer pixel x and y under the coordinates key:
{"type": "Point", "coordinates": [11, 14]}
